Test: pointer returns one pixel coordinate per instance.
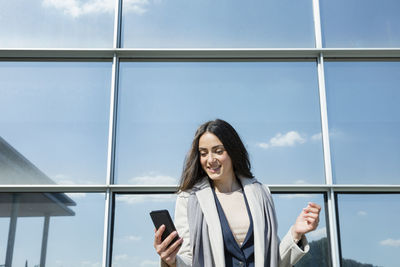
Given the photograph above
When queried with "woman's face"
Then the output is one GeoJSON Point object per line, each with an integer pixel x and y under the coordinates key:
{"type": "Point", "coordinates": [214, 159]}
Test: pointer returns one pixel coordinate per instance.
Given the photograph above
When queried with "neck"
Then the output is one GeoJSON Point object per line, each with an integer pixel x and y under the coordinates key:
{"type": "Point", "coordinates": [228, 186]}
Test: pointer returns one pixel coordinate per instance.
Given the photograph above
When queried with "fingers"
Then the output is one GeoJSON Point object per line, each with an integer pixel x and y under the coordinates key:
{"type": "Point", "coordinates": [314, 207]}
{"type": "Point", "coordinates": [170, 253]}
{"type": "Point", "coordinates": [169, 238]}
{"type": "Point", "coordinates": [311, 215]}
{"type": "Point", "coordinates": [158, 234]}
{"type": "Point", "coordinates": [167, 254]}
{"type": "Point", "coordinates": [162, 247]}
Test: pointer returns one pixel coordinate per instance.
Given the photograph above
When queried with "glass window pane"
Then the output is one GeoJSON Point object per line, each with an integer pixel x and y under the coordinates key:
{"type": "Point", "coordinates": [56, 23]}
{"type": "Point", "coordinates": [226, 23]}
{"type": "Point", "coordinates": [369, 229]}
{"type": "Point", "coordinates": [273, 105]}
{"type": "Point", "coordinates": [364, 121]}
{"type": "Point", "coordinates": [288, 207]}
{"type": "Point", "coordinates": [134, 229]}
{"type": "Point", "coordinates": [55, 229]}
{"type": "Point", "coordinates": [54, 122]}
{"type": "Point", "coordinates": [360, 23]}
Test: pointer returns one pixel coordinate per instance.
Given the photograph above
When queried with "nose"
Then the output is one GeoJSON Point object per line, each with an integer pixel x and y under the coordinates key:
{"type": "Point", "coordinates": [211, 159]}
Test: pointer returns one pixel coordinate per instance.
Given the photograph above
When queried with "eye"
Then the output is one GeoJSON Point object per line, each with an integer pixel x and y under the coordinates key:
{"type": "Point", "coordinates": [203, 154]}
{"type": "Point", "coordinates": [219, 151]}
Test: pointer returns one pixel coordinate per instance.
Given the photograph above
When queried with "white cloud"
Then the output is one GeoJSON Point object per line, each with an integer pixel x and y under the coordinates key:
{"type": "Point", "coordinates": [288, 139]}
{"type": "Point", "coordinates": [133, 238]}
{"type": "Point", "coordinates": [120, 257]}
{"type": "Point", "coordinates": [62, 179]}
{"type": "Point", "coordinates": [76, 195]}
{"type": "Point", "coordinates": [90, 264]}
{"type": "Point", "coordinates": [136, 199]}
{"type": "Point", "coordinates": [300, 181]}
{"type": "Point", "coordinates": [65, 179]}
{"type": "Point", "coordinates": [135, 6]}
{"type": "Point", "coordinates": [362, 213]}
{"type": "Point", "coordinates": [317, 234]}
{"type": "Point", "coordinates": [76, 8]}
{"type": "Point", "coordinates": [291, 196]}
{"type": "Point", "coordinates": [390, 242]}
{"type": "Point", "coordinates": [149, 263]}
{"type": "Point", "coordinates": [153, 179]}
{"type": "Point", "coordinates": [316, 137]}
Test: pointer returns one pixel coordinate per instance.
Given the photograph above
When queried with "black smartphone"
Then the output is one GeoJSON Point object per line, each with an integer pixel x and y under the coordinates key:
{"type": "Point", "coordinates": [161, 217]}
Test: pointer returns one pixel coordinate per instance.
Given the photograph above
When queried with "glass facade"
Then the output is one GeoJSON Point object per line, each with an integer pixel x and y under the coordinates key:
{"type": "Point", "coordinates": [210, 24]}
{"type": "Point", "coordinates": [100, 99]}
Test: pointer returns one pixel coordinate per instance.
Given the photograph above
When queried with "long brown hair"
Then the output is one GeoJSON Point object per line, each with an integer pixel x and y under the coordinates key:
{"type": "Point", "coordinates": [192, 170]}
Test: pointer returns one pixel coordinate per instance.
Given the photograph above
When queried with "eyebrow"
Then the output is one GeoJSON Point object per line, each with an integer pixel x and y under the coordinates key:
{"type": "Point", "coordinates": [217, 146]}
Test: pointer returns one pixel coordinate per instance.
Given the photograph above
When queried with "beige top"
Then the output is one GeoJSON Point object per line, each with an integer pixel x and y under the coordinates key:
{"type": "Point", "coordinates": [235, 212]}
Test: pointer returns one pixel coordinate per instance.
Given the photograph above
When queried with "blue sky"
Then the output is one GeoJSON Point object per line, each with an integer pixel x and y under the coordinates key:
{"type": "Point", "coordinates": [364, 139]}
{"type": "Point", "coordinates": [369, 228]}
{"type": "Point", "coordinates": [54, 113]}
{"type": "Point", "coordinates": [280, 126]}
{"type": "Point", "coordinates": [360, 23]}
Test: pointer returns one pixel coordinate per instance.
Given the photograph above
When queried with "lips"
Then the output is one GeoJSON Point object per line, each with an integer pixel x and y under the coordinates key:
{"type": "Point", "coordinates": [214, 169]}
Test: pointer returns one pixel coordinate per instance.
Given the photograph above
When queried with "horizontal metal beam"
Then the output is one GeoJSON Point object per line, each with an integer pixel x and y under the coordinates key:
{"type": "Point", "coordinates": [199, 54]}
{"type": "Point", "coordinates": [173, 188]}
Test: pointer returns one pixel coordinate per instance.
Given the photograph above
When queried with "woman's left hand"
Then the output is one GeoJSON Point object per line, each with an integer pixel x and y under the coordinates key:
{"type": "Point", "coordinates": [307, 221]}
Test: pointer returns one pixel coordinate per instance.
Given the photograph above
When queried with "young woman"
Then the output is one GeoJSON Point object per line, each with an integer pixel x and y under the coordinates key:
{"type": "Point", "coordinates": [223, 215]}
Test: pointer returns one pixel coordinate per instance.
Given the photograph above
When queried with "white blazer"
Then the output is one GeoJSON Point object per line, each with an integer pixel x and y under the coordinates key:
{"type": "Point", "coordinates": [289, 251]}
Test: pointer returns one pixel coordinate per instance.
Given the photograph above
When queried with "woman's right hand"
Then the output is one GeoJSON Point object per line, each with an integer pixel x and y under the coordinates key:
{"type": "Point", "coordinates": [167, 254]}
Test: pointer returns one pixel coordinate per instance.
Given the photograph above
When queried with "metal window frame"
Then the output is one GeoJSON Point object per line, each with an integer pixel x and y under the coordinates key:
{"type": "Point", "coordinates": [117, 54]}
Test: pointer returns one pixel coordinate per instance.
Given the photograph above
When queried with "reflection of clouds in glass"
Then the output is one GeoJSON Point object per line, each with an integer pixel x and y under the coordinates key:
{"type": "Point", "coordinates": [317, 234]}
{"type": "Point", "coordinates": [62, 179]}
{"type": "Point", "coordinates": [362, 213]}
{"type": "Point", "coordinates": [76, 196]}
{"type": "Point", "coordinates": [136, 199]}
{"type": "Point", "coordinates": [120, 257]}
{"type": "Point", "coordinates": [149, 263]}
{"type": "Point", "coordinates": [336, 133]}
{"type": "Point", "coordinates": [132, 238]}
{"type": "Point", "coordinates": [290, 196]}
{"type": "Point", "coordinates": [65, 179]}
{"type": "Point", "coordinates": [76, 8]}
{"type": "Point", "coordinates": [390, 242]}
{"type": "Point", "coordinates": [316, 137]}
{"type": "Point", "coordinates": [288, 139]}
{"type": "Point", "coordinates": [154, 180]}
{"type": "Point", "coordinates": [88, 263]}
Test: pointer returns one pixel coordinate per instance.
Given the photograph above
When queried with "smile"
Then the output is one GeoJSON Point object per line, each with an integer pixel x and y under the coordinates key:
{"type": "Point", "coordinates": [214, 169]}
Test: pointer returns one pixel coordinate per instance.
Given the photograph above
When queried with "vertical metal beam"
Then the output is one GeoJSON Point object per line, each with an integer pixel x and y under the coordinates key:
{"type": "Point", "coordinates": [317, 24]}
{"type": "Point", "coordinates": [108, 210]}
{"type": "Point", "coordinates": [117, 24]}
{"type": "Point", "coordinates": [12, 230]}
{"type": "Point", "coordinates": [45, 236]}
{"type": "Point", "coordinates": [107, 230]}
{"type": "Point", "coordinates": [333, 231]}
{"type": "Point", "coordinates": [331, 212]}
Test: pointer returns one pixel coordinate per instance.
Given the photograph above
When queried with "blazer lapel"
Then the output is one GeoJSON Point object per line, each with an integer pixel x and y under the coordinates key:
{"type": "Point", "coordinates": [207, 203]}
{"type": "Point", "coordinates": [256, 209]}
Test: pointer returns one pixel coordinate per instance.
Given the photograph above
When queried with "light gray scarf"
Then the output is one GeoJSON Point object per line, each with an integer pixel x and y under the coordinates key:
{"type": "Point", "coordinates": [199, 238]}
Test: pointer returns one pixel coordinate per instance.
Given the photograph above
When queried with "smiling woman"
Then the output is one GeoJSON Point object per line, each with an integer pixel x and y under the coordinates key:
{"type": "Point", "coordinates": [223, 215]}
{"type": "Point", "coordinates": [214, 159]}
